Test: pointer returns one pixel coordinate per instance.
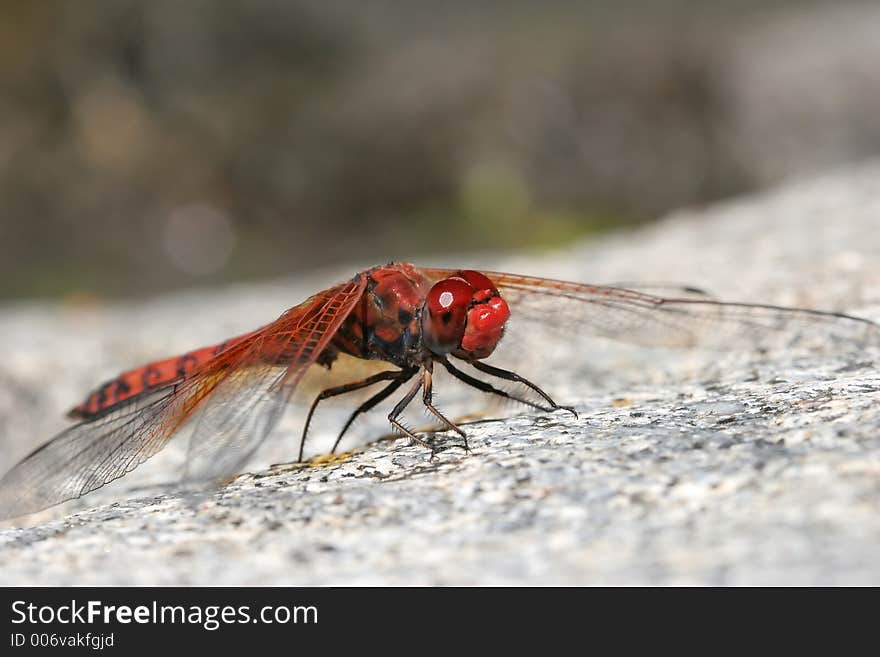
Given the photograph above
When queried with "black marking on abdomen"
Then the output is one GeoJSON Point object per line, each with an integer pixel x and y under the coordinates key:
{"type": "Point", "coordinates": [101, 395]}
{"type": "Point", "coordinates": [151, 376]}
{"type": "Point", "coordinates": [110, 392]}
{"type": "Point", "coordinates": [183, 362]}
{"type": "Point", "coordinates": [122, 387]}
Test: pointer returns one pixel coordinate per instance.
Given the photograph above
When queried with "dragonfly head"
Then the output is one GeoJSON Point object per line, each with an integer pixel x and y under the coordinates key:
{"type": "Point", "coordinates": [464, 314]}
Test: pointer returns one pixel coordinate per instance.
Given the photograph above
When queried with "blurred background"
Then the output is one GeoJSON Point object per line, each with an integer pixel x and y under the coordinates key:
{"type": "Point", "coordinates": [147, 145]}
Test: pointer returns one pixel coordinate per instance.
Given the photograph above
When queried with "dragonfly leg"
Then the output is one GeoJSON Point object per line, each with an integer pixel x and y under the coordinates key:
{"type": "Point", "coordinates": [513, 376]}
{"type": "Point", "coordinates": [384, 393]}
{"type": "Point", "coordinates": [399, 408]}
{"type": "Point", "coordinates": [341, 390]}
{"type": "Point", "coordinates": [427, 400]}
{"type": "Point", "coordinates": [485, 386]}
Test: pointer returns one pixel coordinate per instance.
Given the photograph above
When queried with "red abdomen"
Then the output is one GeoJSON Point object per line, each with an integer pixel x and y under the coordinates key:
{"type": "Point", "coordinates": [147, 378]}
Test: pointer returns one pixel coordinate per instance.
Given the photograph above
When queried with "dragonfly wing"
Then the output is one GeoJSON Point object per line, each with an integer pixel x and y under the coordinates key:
{"type": "Point", "coordinates": [247, 404]}
{"type": "Point", "coordinates": [676, 290]}
{"type": "Point", "coordinates": [677, 321]}
{"type": "Point", "coordinates": [90, 454]}
{"type": "Point", "coordinates": [239, 393]}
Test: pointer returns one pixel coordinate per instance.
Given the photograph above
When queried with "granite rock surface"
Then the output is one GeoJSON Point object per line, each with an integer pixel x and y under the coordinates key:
{"type": "Point", "coordinates": [730, 466]}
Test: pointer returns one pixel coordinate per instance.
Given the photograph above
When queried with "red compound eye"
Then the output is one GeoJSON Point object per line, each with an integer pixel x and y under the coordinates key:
{"type": "Point", "coordinates": [446, 309]}
{"type": "Point", "coordinates": [480, 282]}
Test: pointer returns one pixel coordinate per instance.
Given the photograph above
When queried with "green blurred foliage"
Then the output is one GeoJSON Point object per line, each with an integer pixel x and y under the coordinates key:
{"type": "Point", "coordinates": [146, 145]}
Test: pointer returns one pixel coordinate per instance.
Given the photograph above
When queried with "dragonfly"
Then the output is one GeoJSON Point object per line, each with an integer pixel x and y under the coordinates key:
{"type": "Point", "coordinates": [402, 320]}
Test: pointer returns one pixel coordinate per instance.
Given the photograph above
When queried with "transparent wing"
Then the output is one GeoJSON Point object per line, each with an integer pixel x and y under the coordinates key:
{"type": "Point", "coordinates": [677, 321]}
{"type": "Point", "coordinates": [90, 454]}
{"type": "Point", "coordinates": [677, 290]}
{"type": "Point", "coordinates": [248, 403]}
{"type": "Point", "coordinates": [236, 398]}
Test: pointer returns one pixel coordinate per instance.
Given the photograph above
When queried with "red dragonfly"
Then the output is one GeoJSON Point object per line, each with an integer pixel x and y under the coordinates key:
{"type": "Point", "coordinates": [402, 319]}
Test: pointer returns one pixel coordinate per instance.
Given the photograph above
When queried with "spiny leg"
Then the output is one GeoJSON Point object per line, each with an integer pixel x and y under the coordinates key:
{"type": "Point", "coordinates": [341, 390]}
{"type": "Point", "coordinates": [399, 408]}
{"type": "Point", "coordinates": [384, 393]}
{"type": "Point", "coordinates": [485, 386]}
{"type": "Point", "coordinates": [427, 400]}
{"type": "Point", "coordinates": [513, 376]}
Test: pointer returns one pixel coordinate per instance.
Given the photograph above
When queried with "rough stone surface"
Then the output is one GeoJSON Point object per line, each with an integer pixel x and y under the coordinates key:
{"type": "Point", "coordinates": [695, 467]}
